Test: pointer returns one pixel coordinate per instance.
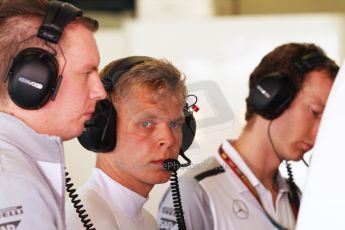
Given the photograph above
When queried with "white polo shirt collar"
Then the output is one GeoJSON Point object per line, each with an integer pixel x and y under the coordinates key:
{"type": "Point", "coordinates": [125, 199]}
{"type": "Point", "coordinates": [237, 159]}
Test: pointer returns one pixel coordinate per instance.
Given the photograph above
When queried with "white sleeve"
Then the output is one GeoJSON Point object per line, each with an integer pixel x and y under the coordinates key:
{"type": "Point", "coordinates": [22, 206]}
{"type": "Point", "coordinates": [197, 213]}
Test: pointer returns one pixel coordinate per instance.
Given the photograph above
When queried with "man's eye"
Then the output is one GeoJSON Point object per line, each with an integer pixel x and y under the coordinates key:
{"type": "Point", "coordinates": [174, 125]}
{"type": "Point", "coordinates": [146, 124]}
{"type": "Point", "coordinates": [314, 112]}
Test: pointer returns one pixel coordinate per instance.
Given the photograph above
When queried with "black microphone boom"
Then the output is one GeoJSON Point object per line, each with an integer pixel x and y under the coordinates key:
{"type": "Point", "coordinates": [171, 165]}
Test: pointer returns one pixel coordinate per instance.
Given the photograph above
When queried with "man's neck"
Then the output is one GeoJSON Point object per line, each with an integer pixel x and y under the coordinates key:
{"type": "Point", "coordinates": [257, 152]}
{"type": "Point", "coordinates": [120, 176]}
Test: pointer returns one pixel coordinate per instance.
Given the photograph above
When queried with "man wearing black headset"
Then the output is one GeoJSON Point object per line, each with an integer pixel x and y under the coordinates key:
{"type": "Point", "coordinates": [145, 110]}
{"type": "Point", "coordinates": [241, 187]}
{"type": "Point", "coordinates": [49, 87]}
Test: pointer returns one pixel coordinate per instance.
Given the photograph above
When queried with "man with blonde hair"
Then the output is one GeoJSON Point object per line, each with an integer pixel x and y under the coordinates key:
{"type": "Point", "coordinates": [145, 110]}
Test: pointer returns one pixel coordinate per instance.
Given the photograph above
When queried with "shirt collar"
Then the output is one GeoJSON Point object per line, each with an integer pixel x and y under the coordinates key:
{"type": "Point", "coordinates": [282, 183]}
{"type": "Point", "coordinates": [125, 199]}
{"type": "Point", "coordinates": [237, 159]}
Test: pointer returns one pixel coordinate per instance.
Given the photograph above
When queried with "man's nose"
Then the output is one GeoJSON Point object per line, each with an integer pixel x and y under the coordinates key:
{"type": "Point", "coordinates": [97, 91]}
{"type": "Point", "coordinates": [166, 137]}
{"type": "Point", "coordinates": [314, 131]}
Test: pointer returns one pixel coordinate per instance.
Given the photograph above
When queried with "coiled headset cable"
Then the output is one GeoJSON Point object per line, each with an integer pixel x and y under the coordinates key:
{"type": "Point", "coordinates": [77, 204]}
{"type": "Point", "coordinates": [173, 165]}
{"type": "Point", "coordinates": [293, 193]}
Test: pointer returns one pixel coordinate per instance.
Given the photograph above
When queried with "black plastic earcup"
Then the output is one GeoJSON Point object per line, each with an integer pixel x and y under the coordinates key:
{"type": "Point", "coordinates": [188, 130]}
{"type": "Point", "coordinates": [271, 95]}
{"type": "Point", "coordinates": [33, 74]}
{"type": "Point", "coordinates": [99, 133]}
{"type": "Point", "coordinates": [32, 78]}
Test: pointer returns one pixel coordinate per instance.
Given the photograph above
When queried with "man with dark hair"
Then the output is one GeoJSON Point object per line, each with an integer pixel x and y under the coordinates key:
{"type": "Point", "coordinates": [241, 186]}
{"type": "Point", "coordinates": [48, 89]}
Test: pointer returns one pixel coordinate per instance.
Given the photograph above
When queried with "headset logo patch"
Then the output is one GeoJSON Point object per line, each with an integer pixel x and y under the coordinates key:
{"type": "Point", "coordinates": [263, 91]}
{"type": "Point", "coordinates": [30, 83]}
{"type": "Point", "coordinates": [10, 225]}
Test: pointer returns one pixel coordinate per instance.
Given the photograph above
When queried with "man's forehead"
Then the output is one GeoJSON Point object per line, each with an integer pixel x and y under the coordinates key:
{"type": "Point", "coordinates": [152, 96]}
{"type": "Point", "coordinates": [317, 85]}
{"type": "Point", "coordinates": [148, 109]}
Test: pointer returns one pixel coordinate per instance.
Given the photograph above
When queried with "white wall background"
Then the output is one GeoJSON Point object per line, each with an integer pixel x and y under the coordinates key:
{"type": "Point", "coordinates": [221, 50]}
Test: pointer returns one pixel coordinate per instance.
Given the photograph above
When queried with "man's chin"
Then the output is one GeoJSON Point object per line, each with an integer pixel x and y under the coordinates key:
{"type": "Point", "coordinates": [70, 135]}
{"type": "Point", "coordinates": [162, 177]}
{"type": "Point", "coordinates": [297, 157]}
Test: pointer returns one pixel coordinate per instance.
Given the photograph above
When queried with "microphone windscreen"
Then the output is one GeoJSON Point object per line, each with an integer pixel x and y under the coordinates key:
{"type": "Point", "coordinates": [171, 165]}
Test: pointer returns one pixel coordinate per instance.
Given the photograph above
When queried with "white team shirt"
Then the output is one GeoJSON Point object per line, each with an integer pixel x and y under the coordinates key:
{"type": "Point", "coordinates": [31, 178]}
{"type": "Point", "coordinates": [215, 198]}
{"type": "Point", "coordinates": [110, 206]}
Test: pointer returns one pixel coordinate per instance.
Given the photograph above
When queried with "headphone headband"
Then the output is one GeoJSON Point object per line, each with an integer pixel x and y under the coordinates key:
{"type": "Point", "coordinates": [123, 65]}
{"type": "Point", "coordinates": [310, 61]}
{"type": "Point", "coordinates": [58, 15]}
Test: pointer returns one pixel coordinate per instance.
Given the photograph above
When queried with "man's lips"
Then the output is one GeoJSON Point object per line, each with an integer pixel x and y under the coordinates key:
{"type": "Point", "coordinates": [306, 146]}
{"type": "Point", "coordinates": [158, 161]}
{"type": "Point", "coordinates": [89, 114]}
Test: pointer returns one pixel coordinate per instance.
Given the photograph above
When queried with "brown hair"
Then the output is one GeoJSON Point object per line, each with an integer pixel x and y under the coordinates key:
{"type": "Point", "coordinates": [153, 76]}
{"type": "Point", "coordinates": [283, 60]}
{"type": "Point", "coordinates": [19, 20]}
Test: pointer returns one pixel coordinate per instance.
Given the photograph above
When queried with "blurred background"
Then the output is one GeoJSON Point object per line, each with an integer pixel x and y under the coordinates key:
{"type": "Point", "coordinates": [216, 44]}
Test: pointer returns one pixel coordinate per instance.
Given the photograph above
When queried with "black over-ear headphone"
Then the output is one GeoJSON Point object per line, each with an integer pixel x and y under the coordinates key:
{"type": "Point", "coordinates": [33, 75]}
{"type": "Point", "coordinates": [99, 133]}
{"type": "Point", "coordinates": [273, 93]}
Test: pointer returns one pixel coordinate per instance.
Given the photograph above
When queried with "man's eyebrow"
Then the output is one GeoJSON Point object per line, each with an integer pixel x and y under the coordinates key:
{"type": "Point", "coordinates": [89, 66]}
{"type": "Point", "coordinates": [154, 116]}
{"type": "Point", "coordinates": [180, 118]}
{"type": "Point", "coordinates": [147, 115]}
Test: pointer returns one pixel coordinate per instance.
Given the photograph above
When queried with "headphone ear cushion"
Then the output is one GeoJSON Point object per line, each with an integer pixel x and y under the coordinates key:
{"type": "Point", "coordinates": [32, 77]}
{"type": "Point", "coordinates": [271, 95]}
{"type": "Point", "coordinates": [99, 133]}
{"type": "Point", "coordinates": [188, 130]}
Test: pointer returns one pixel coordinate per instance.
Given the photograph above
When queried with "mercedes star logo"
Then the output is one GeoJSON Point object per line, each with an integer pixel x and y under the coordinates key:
{"type": "Point", "coordinates": [240, 209]}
